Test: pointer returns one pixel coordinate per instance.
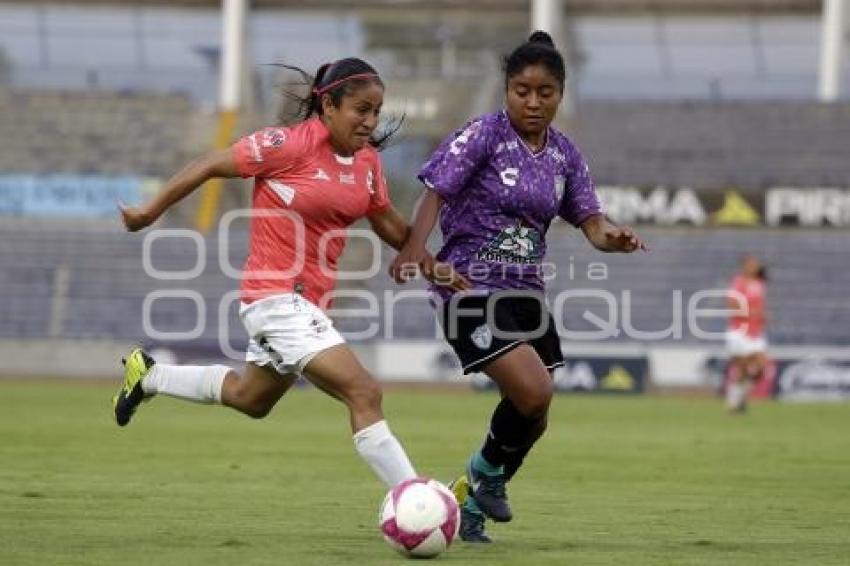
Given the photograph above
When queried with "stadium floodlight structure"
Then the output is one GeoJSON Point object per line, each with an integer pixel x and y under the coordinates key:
{"type": "Point", "coordinates": [231, 64]}
{"type": "Point", "coordinates": [833, 25]}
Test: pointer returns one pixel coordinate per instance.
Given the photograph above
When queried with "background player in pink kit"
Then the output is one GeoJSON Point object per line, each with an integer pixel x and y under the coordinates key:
{"type": "Point", "coordinates": [497, 184]}
{"type": "Point", "coordinates": [745, 338]}
{"type": "Point", "coordinates": [320, 175]}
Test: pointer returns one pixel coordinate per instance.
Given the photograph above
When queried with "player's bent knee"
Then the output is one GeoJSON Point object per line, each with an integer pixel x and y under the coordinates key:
{"type": "Point", "coordinates": [365, 395]}
{"type": "Point", "coordinates": [535, 403]}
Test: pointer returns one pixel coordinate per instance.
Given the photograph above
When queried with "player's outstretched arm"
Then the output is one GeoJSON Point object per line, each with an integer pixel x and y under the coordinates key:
{"type": "Point", "coordinates": [214, 164]}
{"type": "Point", "coordinates": [390, 227]}
{"type": "Point", "coordinates": [607, 237]}
{"type": "Point", "coordinates": [414, 253]}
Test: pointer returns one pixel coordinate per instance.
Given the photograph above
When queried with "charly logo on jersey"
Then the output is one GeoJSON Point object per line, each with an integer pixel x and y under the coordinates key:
{"type": "Point", "coordinates": [509, 176]}
{"type": "Point", "coordinates": [514, 244]}
{"type": "Point", "coordinates": [370, 182]}
{"type": "Point", "coordinates": [321, 175]}
{"type": "Point", "coordinates": [482, 337]}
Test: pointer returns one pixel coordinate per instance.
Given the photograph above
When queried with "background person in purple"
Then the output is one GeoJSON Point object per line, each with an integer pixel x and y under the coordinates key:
{"type": "Point", "coordinates": [497, 185]}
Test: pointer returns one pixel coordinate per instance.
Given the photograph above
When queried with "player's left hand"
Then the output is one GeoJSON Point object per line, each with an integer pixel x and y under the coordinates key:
{"type": "Point", "coordinates": [622, 239]}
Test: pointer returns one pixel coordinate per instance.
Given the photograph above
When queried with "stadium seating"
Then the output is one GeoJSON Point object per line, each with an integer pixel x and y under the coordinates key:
{"type": "Point", "coordinates": [707, 144]}
{"type": "Point", "coordinates": [102, 132]}
{"type": "Point", "coordinates": [105, 284]}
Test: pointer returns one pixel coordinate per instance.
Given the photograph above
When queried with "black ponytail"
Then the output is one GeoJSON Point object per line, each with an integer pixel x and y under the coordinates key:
{"type": "Point", "coordinates": [336, 79]}
{"type": "Point", "coordinates": [538, 49]}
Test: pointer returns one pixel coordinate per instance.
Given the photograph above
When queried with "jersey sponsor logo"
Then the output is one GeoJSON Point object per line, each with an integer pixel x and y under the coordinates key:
{"type": "Point", "coordinates": [514, 244]}
{"type": "Point", "coordinates": [285, 192]}
{"type": "Point", "coordinates": [273, 138]}
{"type": "Point", "coordinates": [509, 176]}
{"type": "Point", "coordinates": [482, 337]}
{"type": "Point", "coordinates": [346, 178]}
{"type": "Point", "coordinates": [321, 175]}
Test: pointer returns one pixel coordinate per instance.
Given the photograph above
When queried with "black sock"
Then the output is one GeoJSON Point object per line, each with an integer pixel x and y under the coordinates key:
{"type": "Point", "coordinates": [515, 459]}
{"type": "Point", "coordinates": [510, 432]}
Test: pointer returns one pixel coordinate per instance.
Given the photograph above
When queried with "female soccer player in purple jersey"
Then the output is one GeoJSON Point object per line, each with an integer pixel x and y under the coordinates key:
{"type": "Point", "coordinates": [497, 184]}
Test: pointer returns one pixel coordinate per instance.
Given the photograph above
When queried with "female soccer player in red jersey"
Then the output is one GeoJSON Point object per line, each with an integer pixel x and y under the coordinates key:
{"type": "Point", "coordinates": [313, 178]}
{"type": "Point", "coordinates": [746, 343]}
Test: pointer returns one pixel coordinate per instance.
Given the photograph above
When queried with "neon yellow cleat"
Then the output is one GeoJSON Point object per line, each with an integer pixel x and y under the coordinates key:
{"type": "Point", "coordinates": [460, 488]}
{"type": "Point", "coordinates": [136, 366]}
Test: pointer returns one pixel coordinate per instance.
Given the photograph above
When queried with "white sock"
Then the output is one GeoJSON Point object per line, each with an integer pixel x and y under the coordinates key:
{"type": "Point", "coordinates": [384, 454]}
{"type": "Point", "coordinates": [201, 384]}
{"type": "Point", "coordinates": [736, 394]}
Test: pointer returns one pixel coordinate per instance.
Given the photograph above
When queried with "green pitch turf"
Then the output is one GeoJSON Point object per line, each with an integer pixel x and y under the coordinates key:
{"type": "Point", "coordinates": [625, 481]}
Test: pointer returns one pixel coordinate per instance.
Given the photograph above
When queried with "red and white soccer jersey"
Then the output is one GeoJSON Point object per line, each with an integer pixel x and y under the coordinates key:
{"type": "Point", "coordinates": [746, 332]}
{"type": "Point", "coordinates": [305, 196]}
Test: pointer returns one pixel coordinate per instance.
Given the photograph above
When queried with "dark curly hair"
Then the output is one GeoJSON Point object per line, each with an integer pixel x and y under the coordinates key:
{"type": "Point", "coordinates": [337, 79]}
{"type": "Point", "coordinates": [538, 49]}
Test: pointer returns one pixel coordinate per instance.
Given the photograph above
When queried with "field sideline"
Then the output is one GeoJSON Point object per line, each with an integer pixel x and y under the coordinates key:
{"type": "Point", "coordinates": [635, 481]}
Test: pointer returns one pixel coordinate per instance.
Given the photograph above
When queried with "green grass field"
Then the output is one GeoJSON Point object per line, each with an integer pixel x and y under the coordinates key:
{"type": "Point", "coordinates": [616, 481]}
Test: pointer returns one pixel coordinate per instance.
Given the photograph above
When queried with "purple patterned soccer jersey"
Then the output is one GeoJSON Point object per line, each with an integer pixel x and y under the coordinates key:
{"type": "Point", "coordinates": [500, 198]}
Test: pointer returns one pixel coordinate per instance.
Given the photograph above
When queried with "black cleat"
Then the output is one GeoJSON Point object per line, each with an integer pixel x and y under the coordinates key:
{"type": "Point", "coordinates": [489, 493]}
{"type": "Point", "coordinates": [136, 366]}
{"type": "Point", "coordinates": [472, 527]}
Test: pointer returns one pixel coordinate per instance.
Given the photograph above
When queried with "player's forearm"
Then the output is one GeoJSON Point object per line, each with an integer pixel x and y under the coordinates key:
{"type": "Point", "coordinates": [192, 176]}
{"type": "Point", "coordinates": [427, 211]}
{"type": "Point", "coordinates": [391, 228]}
{"type": "Point", "coordinates": [595, 229]}
{"type": "Point", "coordinates": [395, 234]}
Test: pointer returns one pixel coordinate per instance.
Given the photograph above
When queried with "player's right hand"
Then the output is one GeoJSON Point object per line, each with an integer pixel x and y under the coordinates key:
{"type": "Point", "coordinates": [411, 261]}
{"type": "Point", "coordinates": [134, 218]}
{"type": "Point", "coordinates": [408, 263]}
{"type": "Point", "coordinates": [444, 275]}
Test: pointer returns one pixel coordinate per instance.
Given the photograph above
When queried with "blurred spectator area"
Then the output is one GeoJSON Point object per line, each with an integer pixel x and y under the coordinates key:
{"type": "Point", "coordinates": [93, 131]}
{"type": "Point", "coordinates": [72, 281]}
{"type": "Point", "coordinates": [704, 144]}
{"type": "Point", "coordinates": [620, 49]}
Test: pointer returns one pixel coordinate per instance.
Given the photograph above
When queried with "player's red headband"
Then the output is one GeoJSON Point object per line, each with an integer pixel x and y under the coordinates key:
{"type": "Point", "coordinates": [333, 85]}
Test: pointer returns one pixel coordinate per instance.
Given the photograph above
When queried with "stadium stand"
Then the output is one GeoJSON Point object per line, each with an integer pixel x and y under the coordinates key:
{"type": "Point", "coordinates": [102, 132]}
{"type": "Point", "coordinates": [104, 284]}
{"type": "Point", "coordinates": [716, 144]}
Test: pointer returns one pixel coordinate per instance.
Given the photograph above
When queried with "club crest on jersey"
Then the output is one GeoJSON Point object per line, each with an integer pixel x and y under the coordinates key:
{"type": "Point", "coordinates": [482, 337]}
{"type": "Point", "coordinates": [370, 182]}
{"type": "Point", "coordinates": [346, 178]}
{"type": "Point", "coordinates": [273, 138]}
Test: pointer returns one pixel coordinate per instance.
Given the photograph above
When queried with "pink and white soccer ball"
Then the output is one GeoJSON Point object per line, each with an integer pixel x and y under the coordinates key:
{"type": "Point", "coordinates": [419, 517]}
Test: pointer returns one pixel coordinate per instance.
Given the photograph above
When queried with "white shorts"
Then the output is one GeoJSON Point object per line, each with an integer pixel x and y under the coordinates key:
{"type": "Point", "coordinates": [738, 343]}
{"type": "Point", "coordinates": [286, 332]}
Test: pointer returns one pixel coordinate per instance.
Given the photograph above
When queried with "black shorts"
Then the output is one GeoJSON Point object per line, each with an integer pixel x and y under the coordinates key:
{"type": "Point", "coordinates": [514, 320]}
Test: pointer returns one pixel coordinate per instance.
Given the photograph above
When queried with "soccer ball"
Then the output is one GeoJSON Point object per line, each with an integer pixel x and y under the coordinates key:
{"type": "Point", "coordinates": [419, 518]}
